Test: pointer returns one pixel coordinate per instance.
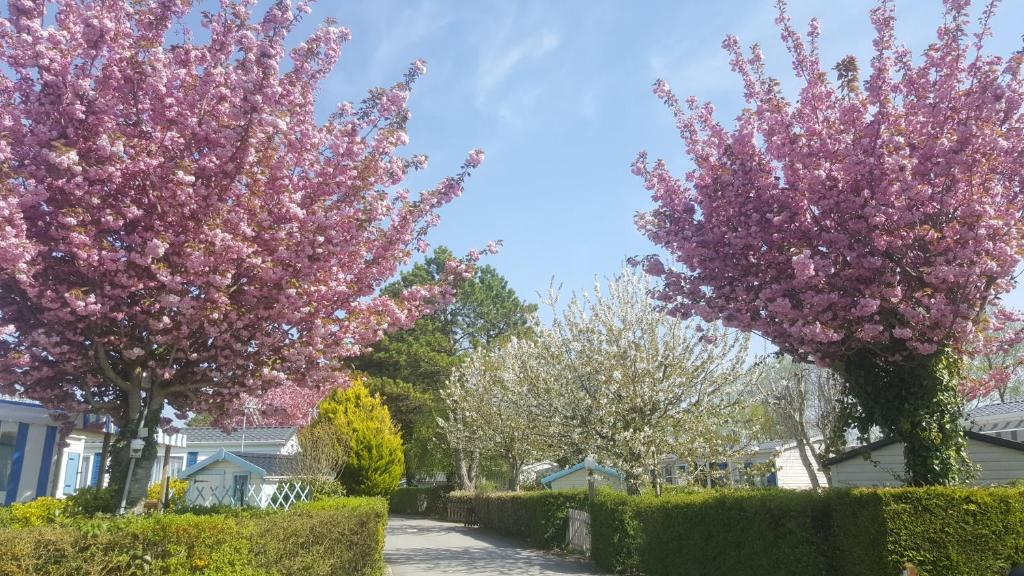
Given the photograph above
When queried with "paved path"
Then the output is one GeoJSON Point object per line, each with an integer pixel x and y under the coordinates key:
{"type": "Point", "coordinates": [422, 547]}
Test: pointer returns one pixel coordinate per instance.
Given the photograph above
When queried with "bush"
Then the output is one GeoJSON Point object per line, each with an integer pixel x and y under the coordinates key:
{"type": "Point", "coordinates": [91, 501]}
{"type": "Point", "coordinates": [38, 512]}
{"type": "Point", "coordinates": [540, 518]}
{"type": "Point", "coordinates": [332, 536]}
{"type": "Point", "coordinates": [863, 532]}
{"type": "Point", "coordinates": [176, 497]}
{"type": "Point", "coordinates": [376, 458]}
{"type": "Point", "coordinates": [420, 500]}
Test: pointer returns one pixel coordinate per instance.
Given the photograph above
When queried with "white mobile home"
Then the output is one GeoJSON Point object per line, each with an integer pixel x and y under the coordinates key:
{"type": "Point", "coordinates": [576, 477]}
{"type": "Point", "coordinates": [881, 463]}
{"type": "Point", "coordinates": [237, 479]}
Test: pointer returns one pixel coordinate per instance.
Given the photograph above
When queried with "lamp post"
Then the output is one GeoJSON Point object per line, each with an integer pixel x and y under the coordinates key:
{"type": "Point", "coordinates": [590, 463]}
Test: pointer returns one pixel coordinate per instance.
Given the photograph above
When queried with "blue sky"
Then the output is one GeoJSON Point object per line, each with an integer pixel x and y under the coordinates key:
{"type": "Point", "coordinates": [558, 94]}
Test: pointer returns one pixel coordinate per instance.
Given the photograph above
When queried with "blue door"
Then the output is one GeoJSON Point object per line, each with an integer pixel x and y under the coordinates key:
{"type": "Point", "coordinates": [71, 474]}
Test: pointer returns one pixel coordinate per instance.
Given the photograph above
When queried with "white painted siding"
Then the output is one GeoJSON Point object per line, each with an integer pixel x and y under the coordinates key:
{"type": "Point", "coordinates": [998, 465]}
{"type": "Point", "coordinates": [791, 472]}
{"type": "Point", "coordinates": [578, 479]}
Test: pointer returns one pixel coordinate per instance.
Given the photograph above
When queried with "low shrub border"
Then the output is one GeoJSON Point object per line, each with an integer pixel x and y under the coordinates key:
{"type": "Point", "coordinates": [862, 532]}
{"type": "Point", "coordinates": [329, 536]}
{"type": "Point", "coordinates": [539, 518]}
{"type": "Point", "coordinates": [420, 500]}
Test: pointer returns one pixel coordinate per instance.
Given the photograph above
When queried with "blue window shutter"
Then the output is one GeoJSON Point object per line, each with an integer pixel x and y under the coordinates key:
{"type": "Point", "coordinates": [17, 460]}
{"type": "Point", "coordinates": [94, 479]}
{"type": "Point", "coordinates": [191, 458]}
{"type": "Point", "coordinates": [71, 473]}
{"type": "Point", "coordinates": [773, 480]}
{"type": "Point", "coordinates": [46, 462]}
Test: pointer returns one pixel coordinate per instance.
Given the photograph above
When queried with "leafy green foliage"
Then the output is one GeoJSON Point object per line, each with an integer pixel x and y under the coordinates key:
{"type": "Point", "coordinates": [176, 492]}
{"type": "Point", "coordinates": [38, 512]}
{"type": "Point", "coordinates": [332, 536]}
{"type": "Point", "coordinates": [539, 518]}
{"type": "Point", "coordinates": [90, 501]}
{"type": "Point", "coordinates": [376, 460]}
{"type": "Point", "coordinates": [918, 402]}
{"type": "Point", "coordinates": [410, 367]}
{"type": "Point", "coordinates": [862, 532]}
{"type": "Point", "coordinates": [419, 500]}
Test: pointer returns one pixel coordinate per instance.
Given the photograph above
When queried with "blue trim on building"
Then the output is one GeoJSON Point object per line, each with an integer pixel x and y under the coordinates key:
{"type": "Point", "coordinates": [14, 480]}
{"type": "Point", "coordinates": [23, 403]}
{"type": "Point", "coordinates": [97, 459]}
{"type": "Point", "coordinates": [42, 484]}
{"type": "Point", "coordinates": [602, 469]}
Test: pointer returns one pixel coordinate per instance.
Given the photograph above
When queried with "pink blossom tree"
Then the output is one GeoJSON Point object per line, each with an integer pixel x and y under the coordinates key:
{"type": "Point", "coordinates": [866, 228]}
{"type": "Point", "coordinates": [996, 368]}
{"type": "Point", "coordinates": [177, 228]}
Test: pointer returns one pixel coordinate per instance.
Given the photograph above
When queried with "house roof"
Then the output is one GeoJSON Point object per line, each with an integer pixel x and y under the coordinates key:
{"type": "Point", "coordinates": [273, 464]}
{"type": "Point", "coordinates": [268, 434]}
{"type": "Point", "coordinates": [1000, 409]}
{"type": "Point", "coordinates": [218, 456]}
{"type": "Point", "coordinates": [970, 434]}
{"type": "Point", "coordinates": [602, 469]}
{"type": "Point", "coordinates": [262, 465]}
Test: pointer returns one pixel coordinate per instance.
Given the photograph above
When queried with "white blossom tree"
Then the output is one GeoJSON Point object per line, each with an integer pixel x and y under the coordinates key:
{"type": "Point", "coordinates": [491, 410]}
{"type": "Point", "coordinates": [620, 379]}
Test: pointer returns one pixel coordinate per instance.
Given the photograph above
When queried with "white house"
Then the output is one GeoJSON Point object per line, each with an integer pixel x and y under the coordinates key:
{"type": "Point", "coordinates": [28, 443]}
{"type": "Point", "coordinates": [238, 479]}
{"type": "Point", "coordinates": [202, 442]}
{"type": "Point", "coordinates": [1005, 420]}
{"type": "Point", "coordinates": [789, 470]}
{"type": "Point", "coordinates": [576, 477]}
{"type": "Point", "coordinates": [36, 460]}
{"type": "Point", "coordinates": [881, 463]}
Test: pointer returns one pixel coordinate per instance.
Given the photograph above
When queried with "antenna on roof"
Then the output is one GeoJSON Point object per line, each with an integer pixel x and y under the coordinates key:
{"type": "Point", "coordinates": [251, 410]}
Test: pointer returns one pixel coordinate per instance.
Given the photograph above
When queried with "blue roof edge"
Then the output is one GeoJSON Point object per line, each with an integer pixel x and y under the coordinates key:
{"type": "Point", "coordinates": [603, 469]}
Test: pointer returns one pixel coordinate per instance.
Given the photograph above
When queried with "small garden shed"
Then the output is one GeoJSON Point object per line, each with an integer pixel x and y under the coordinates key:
{"type": "Point", "coordinates": [576, 477]}
{"type": "Point", "coordinates": [242, 479]}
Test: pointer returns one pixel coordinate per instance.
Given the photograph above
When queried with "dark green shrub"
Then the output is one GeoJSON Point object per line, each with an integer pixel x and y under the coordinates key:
{"type": "Point", "coordinates": [330, 536]}
{"type": "Point", "coordinates": [863, 532]}
{"type": "Point", "coordinates": [90, 501]}
{"type": "Point", "coordinates": [540, 518]}
{"type": "Point", "coordinates": [420, 500]}
{"type": "Point", "coordinates": [942, 531]}
{"type": "Point", "coordinates": [615, 533]}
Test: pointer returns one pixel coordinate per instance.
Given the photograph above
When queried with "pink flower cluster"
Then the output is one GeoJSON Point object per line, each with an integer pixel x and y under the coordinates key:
{"type": "Point", "coordinates": [173, 219]}
{"type": "Point", "coordinates": [884, 214]}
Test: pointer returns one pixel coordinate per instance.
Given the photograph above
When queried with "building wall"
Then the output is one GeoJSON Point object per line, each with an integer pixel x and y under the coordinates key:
{"type": "Point", "coordinates": [790, 471]}
{"type": "Point", "coordinates": [998, 464]}
{"type": "Point", "coordinates": [28, 443]}
{"type": "Point", "coordinates": [220, 477]}
{"type": "Point", "coordinates": [578, 479]}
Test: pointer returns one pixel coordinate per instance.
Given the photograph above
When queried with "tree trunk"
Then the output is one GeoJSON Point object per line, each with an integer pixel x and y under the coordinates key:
{"type": "Point", "coordinates": [515, 468]}
{"type": "Point", "coordinates": [465, 469]}
{"type": "Point", "coordinates": [120, 455]}
{"type": "Point", "coordinates": [917, 402]}
{"type": "Point", "coordinates": [801, 448]}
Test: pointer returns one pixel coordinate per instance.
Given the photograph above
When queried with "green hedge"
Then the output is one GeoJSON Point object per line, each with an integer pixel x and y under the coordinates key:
{"type": "Point", "coordinates": [539, 518]}
{"type": "Point", "coordinates": [330, 536]}
{"type": "Point", "coordinates": [419, 500]}
{"type": "Point", "coordinates": [864, 532]}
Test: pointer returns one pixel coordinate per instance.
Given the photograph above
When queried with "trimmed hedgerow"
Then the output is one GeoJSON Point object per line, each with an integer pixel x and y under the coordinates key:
{"type": "Point", "coordinates": [419, 500]}
{"type": "Point", "coordinates": [942, 531]}
{"type": "Point", "coordinates": [330, 536]}
{"type": "Point", "coordinates": [539, 518]}
{"type": "Point", "coordinates": [863, 532]}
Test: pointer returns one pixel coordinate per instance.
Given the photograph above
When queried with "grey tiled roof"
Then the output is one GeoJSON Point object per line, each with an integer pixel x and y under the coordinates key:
{"type": "Point", "coordinates": [274, 464]}
{"type": "Point", "coordinates": [1004, 408]}
{"type": "Point", "coordinates": [256, 434]}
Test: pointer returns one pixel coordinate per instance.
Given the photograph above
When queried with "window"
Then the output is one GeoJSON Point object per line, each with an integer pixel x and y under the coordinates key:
{"type": "Point", "coordinates": [8, 439]}
{"type": "Point", "coordinates": [83, 474]}
{"type": "Point", "coordinates": [175, 465]}
{"type": "Point", "coordinates": [240, 488]}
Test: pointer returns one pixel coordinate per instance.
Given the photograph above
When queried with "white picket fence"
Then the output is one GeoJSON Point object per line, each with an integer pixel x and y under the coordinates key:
{"type": "Point", "coordinates": [578, 537]}
{"type": "Point", "coordinates": [280, 496]}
